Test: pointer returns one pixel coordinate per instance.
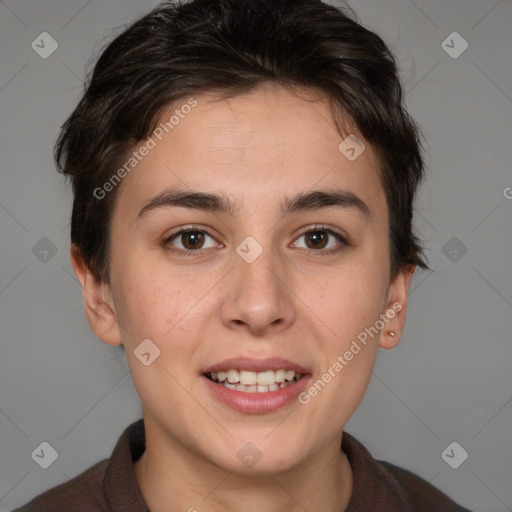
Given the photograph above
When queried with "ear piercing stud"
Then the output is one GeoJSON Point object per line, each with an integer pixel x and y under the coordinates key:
{"type": "Point", "coordinates": [391, 333]}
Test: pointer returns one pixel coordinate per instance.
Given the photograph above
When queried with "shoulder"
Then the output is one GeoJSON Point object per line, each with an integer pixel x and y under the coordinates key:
{"type": "Point", "coordinates": [384, 487]}
{"type": "Point", "coordinates": [108, 486]}
{"type": "Point", "coordinates": [83, 493]}
{"type": "Point", "coordinates": [419, 494]}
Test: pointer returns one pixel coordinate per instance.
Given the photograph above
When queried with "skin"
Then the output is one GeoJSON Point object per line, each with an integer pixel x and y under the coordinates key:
{"type": "Point", "coordinates": [258, 149]}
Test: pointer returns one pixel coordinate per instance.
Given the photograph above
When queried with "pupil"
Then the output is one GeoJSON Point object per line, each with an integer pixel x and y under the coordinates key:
{"type": "Point", "coordinates": [192, 239]}
{"type": "Point", "coordinates": [318, 238]}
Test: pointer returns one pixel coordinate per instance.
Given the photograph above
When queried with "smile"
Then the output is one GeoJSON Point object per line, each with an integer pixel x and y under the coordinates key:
{"type": "Point", "coordinates": [248, 381]}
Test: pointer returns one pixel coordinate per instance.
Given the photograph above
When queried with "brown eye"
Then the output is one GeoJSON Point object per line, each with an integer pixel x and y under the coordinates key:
{"type": "Point", "coordinates": [191, 240]}
{"type": "Point", "coordinates": [321, 241]}
{"type": "Point", "coordinates": [316, 239]}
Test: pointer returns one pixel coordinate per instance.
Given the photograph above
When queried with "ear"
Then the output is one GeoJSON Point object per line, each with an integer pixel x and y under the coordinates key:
{"type": "Point", "coordinates": [396, 307]}
{"type": "Point", "coordinates": [99, 306]}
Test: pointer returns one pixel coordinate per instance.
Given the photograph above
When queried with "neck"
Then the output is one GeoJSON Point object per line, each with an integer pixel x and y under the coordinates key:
{"type": "Point", "coordinates": [172, 478]}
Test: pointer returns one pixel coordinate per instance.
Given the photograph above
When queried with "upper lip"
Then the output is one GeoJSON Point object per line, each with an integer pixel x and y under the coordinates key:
{"type": "Point", "coordinates": [256, 365]}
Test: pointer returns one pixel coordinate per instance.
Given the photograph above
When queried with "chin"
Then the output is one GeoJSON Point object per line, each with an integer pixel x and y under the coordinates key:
{"type": "Point", "coordinates": [254, 455]}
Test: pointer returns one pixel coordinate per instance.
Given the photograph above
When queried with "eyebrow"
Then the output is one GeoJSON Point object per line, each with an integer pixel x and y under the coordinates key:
{"type": "Point", "coordinates": [208, 202]}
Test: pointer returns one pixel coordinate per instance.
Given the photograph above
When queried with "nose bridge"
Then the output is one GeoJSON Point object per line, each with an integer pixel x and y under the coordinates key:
{"type": "Point", "coordinates": [256, 266]}
{"type": "Point", "coordinates": [257, 297]}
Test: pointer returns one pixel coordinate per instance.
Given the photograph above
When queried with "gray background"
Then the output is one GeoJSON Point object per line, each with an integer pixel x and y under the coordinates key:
{"type": "Point", "coordinates": [448, 380]}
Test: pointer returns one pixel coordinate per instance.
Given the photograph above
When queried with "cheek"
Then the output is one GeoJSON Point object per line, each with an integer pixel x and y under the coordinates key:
{"type": "Point", "coordinates": [159, 310]}
{"type": "Point", "coordinates": [349, 301]}
{"type": "Point", "coordinates": [153, 302]}
{"type": "Point", "coordinates": [349, 305]}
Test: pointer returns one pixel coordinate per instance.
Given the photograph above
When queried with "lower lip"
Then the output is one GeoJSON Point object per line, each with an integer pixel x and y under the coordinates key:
{"type": "Point", "coordinates": [257, 403]}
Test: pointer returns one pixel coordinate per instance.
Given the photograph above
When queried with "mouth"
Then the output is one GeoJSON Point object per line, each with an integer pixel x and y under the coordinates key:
{"type": "Point", "coordinates": [248, 381]}
{"type": "Point", "coordinates": [255, 386]}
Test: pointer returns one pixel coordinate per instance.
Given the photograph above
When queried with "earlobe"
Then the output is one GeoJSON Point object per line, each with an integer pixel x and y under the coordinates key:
{"type": "Point", "coordinates": [99, 307]}
{"type": "Point", "coordinates": [396, 308]}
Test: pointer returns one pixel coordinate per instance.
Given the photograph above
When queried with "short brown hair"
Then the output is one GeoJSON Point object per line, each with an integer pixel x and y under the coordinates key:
{"type": "Point", "coordinates": [234, 46]}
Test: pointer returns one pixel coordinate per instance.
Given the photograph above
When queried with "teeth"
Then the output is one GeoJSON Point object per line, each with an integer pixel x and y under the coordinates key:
{"type": "Point", "coordinates": [247, 389]}
{"type": "Point", "coordinates": [280, 375]}
{"type": "Point", "coordinates": [233, 376]}
{"type": "Point", "coordinates": [247, 378]}
{"type": "Point", "coordinates": [289, 374]}
{"type": "Point", "coordinates": [266, 378]}
{"type": "Point", "coordinates": [255, 382]}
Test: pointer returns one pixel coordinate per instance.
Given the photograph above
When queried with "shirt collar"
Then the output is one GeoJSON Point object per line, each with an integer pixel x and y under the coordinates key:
{"type": "Point", "coordinates": [120, 486]}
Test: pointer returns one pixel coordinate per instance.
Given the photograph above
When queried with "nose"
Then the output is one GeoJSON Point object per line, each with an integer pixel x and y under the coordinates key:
{"type": "Point", "coordinates": [258, 298]}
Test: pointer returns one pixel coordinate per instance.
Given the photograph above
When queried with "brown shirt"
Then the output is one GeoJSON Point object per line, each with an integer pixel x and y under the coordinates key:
{"type": "Point", "coordinates": [110, 485]}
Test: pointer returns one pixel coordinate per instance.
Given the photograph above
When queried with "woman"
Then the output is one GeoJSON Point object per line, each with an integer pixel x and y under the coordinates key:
{"type": "Point", "coordinates": [244, 174]}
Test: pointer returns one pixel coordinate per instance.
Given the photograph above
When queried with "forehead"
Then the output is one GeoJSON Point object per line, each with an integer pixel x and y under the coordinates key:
{"type": "Point", "coordinates": [254, 147]}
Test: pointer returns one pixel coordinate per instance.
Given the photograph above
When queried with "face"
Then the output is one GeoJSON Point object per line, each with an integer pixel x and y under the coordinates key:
{"type": "Point", "coordinates": [279, 261]}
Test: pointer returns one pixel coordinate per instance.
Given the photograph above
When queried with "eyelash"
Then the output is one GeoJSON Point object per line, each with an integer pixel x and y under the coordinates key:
{"type": "Point", "coordinates": [325, 252]}
{"type": "Point", "coordinates": [310, 252]}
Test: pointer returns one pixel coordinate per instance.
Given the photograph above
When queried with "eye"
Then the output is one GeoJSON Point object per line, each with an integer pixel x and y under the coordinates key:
{"type": "Point", "coordinates": [317, 240]}
{"type": "Point", "coordinates": [321, 240]}
{"type": "Point", "coordinates": [191, 239]}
